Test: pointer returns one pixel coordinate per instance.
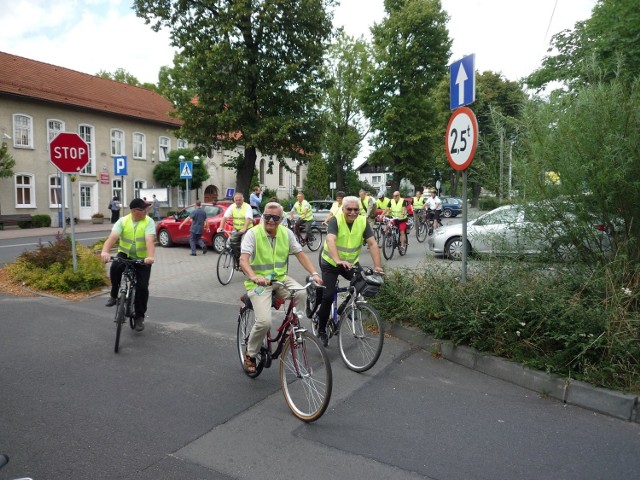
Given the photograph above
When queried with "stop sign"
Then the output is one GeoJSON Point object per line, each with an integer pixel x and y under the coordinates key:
{"type": "Point", "coordinates": [69, 152]}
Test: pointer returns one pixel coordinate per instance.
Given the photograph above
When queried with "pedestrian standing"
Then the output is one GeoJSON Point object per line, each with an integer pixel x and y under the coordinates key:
{"type": "Point", "coordinates": [255, 199]}
{"type": "Point", "coordinates": [199, 225]}
{"type": "Point", "coordinates": [114, 206]}
{"type": "Point", "coordinates": [156, 208]}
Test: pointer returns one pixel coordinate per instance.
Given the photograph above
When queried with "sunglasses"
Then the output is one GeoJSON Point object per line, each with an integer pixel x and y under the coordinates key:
{"type": "Point", "coordinates": [139, 209]}
{"type": "Point", "coordinates": [268, 216]}
{"type": "Point", "coordinates": [352, 209]}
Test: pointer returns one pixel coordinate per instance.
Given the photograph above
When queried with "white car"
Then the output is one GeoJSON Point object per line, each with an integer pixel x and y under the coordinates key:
{"type": "Point", "coordinates": [519, 230]}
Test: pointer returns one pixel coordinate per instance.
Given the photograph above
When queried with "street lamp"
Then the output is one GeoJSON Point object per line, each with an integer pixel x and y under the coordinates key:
{"type": "Point", "coordinates": [196, 161]}
{"type": "Point", "coordinates": [186, 187]}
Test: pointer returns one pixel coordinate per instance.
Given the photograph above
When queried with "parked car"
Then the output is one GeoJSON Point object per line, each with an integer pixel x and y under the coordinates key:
{"type": "Point", "coordinates": [520, 230]}
{"type": "Point", "coordinates": [320, 209]}
{"type": "Point", "coordinates": [451, 206]}
{"type": "Point", "coordinates": [168, 233]}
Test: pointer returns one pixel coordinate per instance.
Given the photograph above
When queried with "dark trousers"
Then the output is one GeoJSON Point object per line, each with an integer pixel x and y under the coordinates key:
{"type": "Point", "coordinates": [196, 239]}
{"type": "Point", "coordinates": [329, 278]}
{"type": "Point", "coordinates": [143, 273]}
{"type": "Point", "coordinates": [115, 215]}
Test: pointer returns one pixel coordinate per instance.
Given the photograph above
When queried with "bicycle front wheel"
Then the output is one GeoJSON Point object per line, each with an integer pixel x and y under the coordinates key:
{"type": "Point", "coordinates": [388, 245]}
{"type": "Point", "coordinates": [421, 231]}
{"type": "Point", "coordinates": [360, 337]}
{"type": "Point", "coordinates": [314, 238]}
{"type": "Point", "coordinates": [305, 376]}
{"type": "Point", "coordinates": [120, 307]}
{"type": "Point", "coordinates": [225, 267]}
{"type": "Point", "coordinates": [246, 319]}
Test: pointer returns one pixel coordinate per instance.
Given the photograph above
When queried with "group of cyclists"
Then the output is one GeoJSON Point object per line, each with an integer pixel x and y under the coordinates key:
{"type": "Point", "coordinates": [265, 249]}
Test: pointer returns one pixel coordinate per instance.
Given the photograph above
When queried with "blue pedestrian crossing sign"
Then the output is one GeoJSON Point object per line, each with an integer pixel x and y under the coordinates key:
{"type": "Point", "coordinates": [462, 82]}
{"type": "Point", "coordinates": [186, 169]}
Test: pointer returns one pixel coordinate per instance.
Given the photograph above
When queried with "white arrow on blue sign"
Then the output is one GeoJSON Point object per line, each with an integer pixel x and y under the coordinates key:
{"type": "Point", "coordinates": [186, 169]}
{"type": "Point", "coordinates": [462, 82]}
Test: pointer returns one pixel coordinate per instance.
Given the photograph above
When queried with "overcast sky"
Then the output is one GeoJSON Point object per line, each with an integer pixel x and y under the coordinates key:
{"type": "Point", "coordinates": [507, 36]}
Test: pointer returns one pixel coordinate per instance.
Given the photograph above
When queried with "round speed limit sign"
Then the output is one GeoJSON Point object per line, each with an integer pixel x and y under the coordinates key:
{"type": "Point", "coordinates": [462, 138]}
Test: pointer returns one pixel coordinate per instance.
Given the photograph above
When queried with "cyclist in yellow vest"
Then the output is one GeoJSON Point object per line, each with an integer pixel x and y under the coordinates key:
{"type": "Point", "coordinates": [336, 208]}
{"type": "Point", "coordinates": [418, 206]}
{"type": "Point", "coordinates": [398, 210]}
{"type": "Point", "coordinates": [341, 250]}
{"type": "Point", "coordinates": [135, 235]}
{"type": "Point", "coordinates": [265, 254]}
{"type": "Point", "coordinates": [240, 213]}
{"type": "Point", "coordinates": [382, 203]}
{"type": "Point", "coordinates": [305, 215]}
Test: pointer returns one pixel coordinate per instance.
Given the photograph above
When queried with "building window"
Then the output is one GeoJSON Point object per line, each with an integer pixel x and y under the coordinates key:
{"type": "Point", "coordinates": [22, 131]}
{"type": "Point", "coordinates": [54, 127]}
{"type": "Point", "coordinates": [137, 186]}
{"type": "Point", "coordinates": [85, 196]}
{"type": "Point", "coordinates": [281, 174]}
{"type": "Point", "coordinates": [165, 146]}
{"type": "Point", "coordinates": [55, 191]}
{"type": "Point", "coordinates": [262, 168]}
{"type": "Point", "coordinates": [117, 142]}
{"type": "Point", "coordinates": [116, 190]}
{"type": "Point", "coordinates": [25, 195]}
{"type": "Point", "coordinates": [182, 143]}
{"type": "Point", "coordinates": [86, 133]}
{"type": "Point", "coordinates": [376, 179]}
{"type": "Point", "coordinates": [299, 176]}
{"type": "Point", "coordinates": [139, 146]}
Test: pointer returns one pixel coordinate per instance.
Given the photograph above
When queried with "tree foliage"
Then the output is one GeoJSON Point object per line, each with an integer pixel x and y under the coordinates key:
{"type": "Point", "coordinates": [600, 48]}
{"type": "Point", "coordinates": [316, 185]}
{"type": "Point", "coordinates": [248, 74]}
{"type": "Point", "coordinates": [168, 173]}
{"type": "Point", "coordinates": [411, 47]}
{"type": "Point", "coordinates": [123, 76]}
{"type": "Point", "coordinates": [348, 63]}
{"type": "Point", "coordinates": [7, 162]}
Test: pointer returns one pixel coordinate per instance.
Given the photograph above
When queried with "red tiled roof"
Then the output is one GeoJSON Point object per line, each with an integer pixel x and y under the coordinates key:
{"type": "Point", "coordinates": [42, 81]}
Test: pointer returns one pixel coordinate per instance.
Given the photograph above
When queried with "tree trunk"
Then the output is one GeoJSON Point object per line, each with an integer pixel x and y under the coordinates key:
{"type": "Point", "coordinates": [340, 173]}
{"type": "Point", "coordinates": [476, 188]}
{"type": "Point", "coordinates": [245, 172]}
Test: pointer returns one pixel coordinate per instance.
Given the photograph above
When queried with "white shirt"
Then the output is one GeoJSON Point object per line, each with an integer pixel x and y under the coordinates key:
{"type": "Point", "coordinates": [247, 214]}
{"type": "Point", "coordinates": [433, 203]}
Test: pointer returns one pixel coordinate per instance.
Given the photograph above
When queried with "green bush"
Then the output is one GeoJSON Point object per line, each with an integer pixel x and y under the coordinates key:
{"type": "Point", "coordinates": [488, 203]}
{"type": "Point", "coordinates": [25, 224]}
{"type": "Point", "coordinates": [41, 221]}
{"type": "Point", "coordinates": [579, 323]}
{"type": "Point", "coordinates": [50, 267]}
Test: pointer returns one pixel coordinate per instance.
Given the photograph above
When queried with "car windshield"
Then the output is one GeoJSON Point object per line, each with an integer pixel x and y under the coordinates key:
{"type": "Point", "coordinates": [212, 210]}
{"type": "Point", "coordinates": [500, 216]}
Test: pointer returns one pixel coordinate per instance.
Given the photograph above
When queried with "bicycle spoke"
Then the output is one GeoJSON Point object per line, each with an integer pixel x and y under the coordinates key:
{"type": "Point", "coordinates": [361, 337]}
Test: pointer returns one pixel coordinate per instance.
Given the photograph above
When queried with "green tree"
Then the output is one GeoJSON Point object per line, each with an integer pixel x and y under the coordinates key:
{"type": "Point", "coordinates": [411, 47]}
{"type": "Point", "coordinates": [348, 63]}
{"type": "Point", "coordinates": [316, 184]}
{"type": "Point", "coordinates": [168, 173]}
{"type": "Point", "coordinates": [7, 162]}
{"type": "Point", "coordinates": [248, 75]}
{"type": "Point", "coordinates": [601, 47]}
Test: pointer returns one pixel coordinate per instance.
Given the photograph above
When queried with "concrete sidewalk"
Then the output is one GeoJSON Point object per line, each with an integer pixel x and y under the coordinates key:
{"type": "Point", "coordinates": [17, 232]}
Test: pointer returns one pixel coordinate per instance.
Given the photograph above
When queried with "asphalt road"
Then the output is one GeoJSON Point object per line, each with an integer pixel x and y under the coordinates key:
{"type": "Point", "coordinates": [174, 403]}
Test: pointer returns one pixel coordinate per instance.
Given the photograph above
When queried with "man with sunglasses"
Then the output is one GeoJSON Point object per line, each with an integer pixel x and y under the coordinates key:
{"type": "Point", "coordinates": [341, 250]}
{"type": "Point", "coordinates": [264, 256]}
{"type": "Point", "coordinates": [398, 210]}
{"type": "Point", "coordinates": [135, 235]}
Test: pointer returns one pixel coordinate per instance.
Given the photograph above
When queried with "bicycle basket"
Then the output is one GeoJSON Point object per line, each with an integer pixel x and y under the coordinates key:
{"type": "Point", "coordinates": [367, 285]}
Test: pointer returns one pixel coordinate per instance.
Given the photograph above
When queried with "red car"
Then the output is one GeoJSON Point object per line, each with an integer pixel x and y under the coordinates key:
{"type": "Point", "coordinates": [168, 233]}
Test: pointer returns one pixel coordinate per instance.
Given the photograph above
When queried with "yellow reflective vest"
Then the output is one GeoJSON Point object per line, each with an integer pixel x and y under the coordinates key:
{"type": "Point", "coordinates": [239, 216]}
{"type": "Point", "coordinates": [267, 259]}
{"type": "Point", "coordinates": [132, 241]}
{"type": "Point", "coordinates": [300, 208]}
{"type": "Point", "coordinates": [418, 203]}
{"type": "Point", "coordinates": [348, 241]}
{"type": "Point", "coordinates": [396, 209]}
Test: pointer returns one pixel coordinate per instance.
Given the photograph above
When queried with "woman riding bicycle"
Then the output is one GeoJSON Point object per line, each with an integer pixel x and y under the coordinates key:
{"type": "Point", "coordinates": [341, 250]}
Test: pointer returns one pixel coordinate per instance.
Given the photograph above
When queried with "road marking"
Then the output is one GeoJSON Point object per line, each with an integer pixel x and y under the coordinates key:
{"type": "Point", "coordinates": [38, 243]}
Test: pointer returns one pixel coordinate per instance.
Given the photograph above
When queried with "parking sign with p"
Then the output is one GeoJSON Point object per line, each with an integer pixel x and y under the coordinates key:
{"type": "Point", "coordinates": [120, 166]}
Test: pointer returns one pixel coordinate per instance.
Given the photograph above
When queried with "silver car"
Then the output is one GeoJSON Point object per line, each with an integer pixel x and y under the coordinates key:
{"type": "Point", "coordinates": [320, 209]}
{"type": "Point", "coordinates": [516, 230]}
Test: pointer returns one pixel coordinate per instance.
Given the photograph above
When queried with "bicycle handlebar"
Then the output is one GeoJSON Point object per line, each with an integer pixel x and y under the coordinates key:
{"type": "Point", "coordinates": [293, 290]}
{"type": "Point", "coordinates": [138, 261]}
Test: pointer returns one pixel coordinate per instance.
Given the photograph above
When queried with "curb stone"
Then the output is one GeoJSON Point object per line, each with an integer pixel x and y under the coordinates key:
{"type": "Point", "coordinates": [609, 402]}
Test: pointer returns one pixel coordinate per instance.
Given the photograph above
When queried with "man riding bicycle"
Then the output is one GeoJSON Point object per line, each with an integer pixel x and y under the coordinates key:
{"type": "Point", "coordinates": [242, 216]}
{"type": "Point", "coordinates": [345, 234]}
{"type": "Point", "coordinates": [434, 206]}
{"type": "Point", "coordinates": [135, 234]}
{"type": "Point", "coordinates": [418, 206]}
{"type": "Point", "coordinates": [264, 257]}
{"type": "Point", "coordinates": [398, 210]}
{"type": "Point", "coordinates": [305, 214]}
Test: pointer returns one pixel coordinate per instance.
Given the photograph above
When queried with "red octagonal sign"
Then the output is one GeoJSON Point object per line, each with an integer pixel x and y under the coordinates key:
{"type": "Point", "coordinates": [69, 152]}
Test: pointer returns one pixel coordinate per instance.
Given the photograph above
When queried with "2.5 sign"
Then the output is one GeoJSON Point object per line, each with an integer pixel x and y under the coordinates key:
{"type": "Point", "coordinates": [462, 138]}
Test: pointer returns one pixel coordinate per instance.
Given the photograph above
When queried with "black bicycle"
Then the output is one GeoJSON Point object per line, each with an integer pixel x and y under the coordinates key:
{"type": "Point", "coordinates": [356, 323]}
{"type": "Point", "coordinates": [228, 263]}
{"type": "Point", "coordinates": [125, 303]}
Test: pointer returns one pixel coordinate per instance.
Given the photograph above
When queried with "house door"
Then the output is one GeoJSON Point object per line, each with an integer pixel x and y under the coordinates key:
{"type": "Point", "coordinates": [88, 205]}
{"type": "Point", "coordinates": [211, 194]}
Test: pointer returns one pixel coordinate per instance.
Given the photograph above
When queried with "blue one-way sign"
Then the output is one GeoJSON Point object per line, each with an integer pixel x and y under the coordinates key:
{"type": "Point", "coordinates": [462, 82]}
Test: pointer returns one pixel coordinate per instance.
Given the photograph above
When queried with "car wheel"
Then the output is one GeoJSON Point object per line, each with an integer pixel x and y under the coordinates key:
{"type": "Point", "coordinates": [447, 213]}
{"type": "Point", "coordinates": [164, 238]}
{"type": "Point", "coordinates": [219, 241]}
{"type": "Point", "coordinates": [453, 248]}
